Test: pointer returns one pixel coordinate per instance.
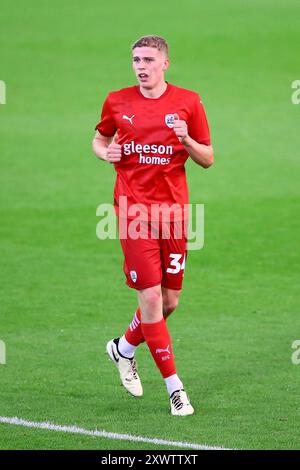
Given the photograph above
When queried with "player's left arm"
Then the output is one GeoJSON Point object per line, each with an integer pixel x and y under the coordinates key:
{"type": "Point", "coordinates": [201, 154]}
{"type": "Point", "coordinates": [194, 135]}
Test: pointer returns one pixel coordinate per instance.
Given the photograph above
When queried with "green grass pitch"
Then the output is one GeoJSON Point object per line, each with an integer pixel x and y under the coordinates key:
{"type": "Point", "coordinates": [62, 291]}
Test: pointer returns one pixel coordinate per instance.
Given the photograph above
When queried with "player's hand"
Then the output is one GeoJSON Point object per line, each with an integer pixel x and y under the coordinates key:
{"type": "Point", "coordinates": [114, 153]}
{"type": "Point", "coordinates": [180, 128]}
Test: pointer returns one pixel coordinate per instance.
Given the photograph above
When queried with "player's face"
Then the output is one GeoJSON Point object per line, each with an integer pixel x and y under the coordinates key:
{"type": "Point", "coordinates": [149, 65]}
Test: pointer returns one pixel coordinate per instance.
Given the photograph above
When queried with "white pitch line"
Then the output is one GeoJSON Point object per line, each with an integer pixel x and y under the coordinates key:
{"type": "Point", "coordinates": [104, 434]}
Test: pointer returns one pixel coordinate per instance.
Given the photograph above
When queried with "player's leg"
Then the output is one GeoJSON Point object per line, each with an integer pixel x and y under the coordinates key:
{"type": "Point", "coordinates": [133, 336]}
{"type": "Point", "coordinates": [155, 331]}
{"type": "Point", "coordinates": [170, 300]}
{"type": "Point", "coordinates": [159, 342]}
{"type": "Point", "coordinates": [173, 265]}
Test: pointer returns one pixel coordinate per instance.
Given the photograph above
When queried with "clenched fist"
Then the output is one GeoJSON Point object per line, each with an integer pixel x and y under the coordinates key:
{"type": "Point", "coordinates": [114, 153]}
{"type": "Point", "coordinates": [180, 128]}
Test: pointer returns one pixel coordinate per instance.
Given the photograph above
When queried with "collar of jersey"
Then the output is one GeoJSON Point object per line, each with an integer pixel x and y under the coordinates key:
{"type": "Point", "coordinates": [154, 99]}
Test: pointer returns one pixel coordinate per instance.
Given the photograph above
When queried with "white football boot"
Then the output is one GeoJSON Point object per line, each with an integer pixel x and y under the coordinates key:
{"type": "Point", "coordinates": [127, 369]}
{"type": "Point", "coordinates": [180, 404]}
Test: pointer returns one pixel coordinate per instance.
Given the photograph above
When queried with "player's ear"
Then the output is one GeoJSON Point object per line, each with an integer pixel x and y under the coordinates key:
{"type": "Point", "coordinates": [166, 63]}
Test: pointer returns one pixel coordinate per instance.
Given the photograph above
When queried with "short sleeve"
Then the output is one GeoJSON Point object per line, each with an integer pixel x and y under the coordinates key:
{"type": "Point", "coordinates": [107, 125]}
{"type": "Point", "coordinates": [197, 125]}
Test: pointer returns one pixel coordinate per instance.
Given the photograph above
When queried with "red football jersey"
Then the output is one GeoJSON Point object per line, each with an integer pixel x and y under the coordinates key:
{"type": "Point", "coordinates": [152, 170]}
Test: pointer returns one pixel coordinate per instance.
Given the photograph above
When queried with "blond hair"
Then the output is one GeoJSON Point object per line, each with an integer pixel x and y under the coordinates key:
{"type": "Point", "coordinates": [152, 41]}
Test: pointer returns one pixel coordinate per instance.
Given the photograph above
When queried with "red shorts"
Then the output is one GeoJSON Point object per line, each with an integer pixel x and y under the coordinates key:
{"type": "Point", "coordinates": [156, 257]}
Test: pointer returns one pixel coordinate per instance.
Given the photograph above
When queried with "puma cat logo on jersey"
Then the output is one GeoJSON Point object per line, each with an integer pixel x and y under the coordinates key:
{"type": "Point", "coordinates": [128, 118]}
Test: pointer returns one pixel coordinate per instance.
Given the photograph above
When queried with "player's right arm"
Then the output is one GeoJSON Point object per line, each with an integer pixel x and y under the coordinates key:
{"type": "Point", "coordinates": [105, 148]}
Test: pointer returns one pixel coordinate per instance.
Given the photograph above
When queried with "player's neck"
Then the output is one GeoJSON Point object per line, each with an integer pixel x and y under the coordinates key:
{"type": "Point", "coordinates": [155, 92]}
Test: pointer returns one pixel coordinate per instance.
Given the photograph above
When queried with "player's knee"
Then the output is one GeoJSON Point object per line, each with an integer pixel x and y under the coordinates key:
{"type": "Point", "coordinates": [152, 297]}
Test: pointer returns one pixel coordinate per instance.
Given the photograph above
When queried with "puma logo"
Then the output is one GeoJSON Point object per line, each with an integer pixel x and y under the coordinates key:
{"type": "Point", "coordinates": [128, 118]}
{"type": "Point", "coordinates": [167, 350]}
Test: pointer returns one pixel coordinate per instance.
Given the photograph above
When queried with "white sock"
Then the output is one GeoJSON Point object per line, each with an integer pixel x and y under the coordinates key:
{"type": "Point", "coordinates": [173, 383]}
{"type": "Point", "coordinates": [126, 349]}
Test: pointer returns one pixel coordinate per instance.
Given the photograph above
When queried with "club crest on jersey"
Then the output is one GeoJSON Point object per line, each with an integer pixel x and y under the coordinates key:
{"type": "Point", "coordinates": [133, 276]}
{"type": "Point", "coordinates": [169, 120]}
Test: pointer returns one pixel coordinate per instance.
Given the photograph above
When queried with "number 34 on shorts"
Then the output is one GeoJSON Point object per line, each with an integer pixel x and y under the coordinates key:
{"type": "Point", "coordinates": [177, 263]}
